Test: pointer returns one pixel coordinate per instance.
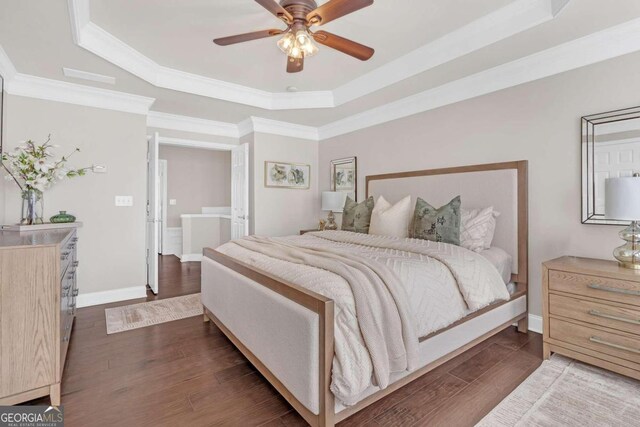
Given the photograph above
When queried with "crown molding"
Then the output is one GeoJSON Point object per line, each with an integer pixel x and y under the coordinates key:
{"type": "Point", "coordinates": [7, 70]}
{"type": "Point", "coordinates": [160, 120]}
{"type": "Point", "coordinates": [211, 127]}
{"type": "Point", "coordinates": [518, 16]}
{"type": "Point", "coordinates": [276, 127]}
{"type": "Point", "coordinates": [191, 143]}
{"type": "Point", "coordinates": [501, 24]}
{"type": "Point", "coordinates": [71, 93]}
{"type": "Point", "coordinates": [606, 44]}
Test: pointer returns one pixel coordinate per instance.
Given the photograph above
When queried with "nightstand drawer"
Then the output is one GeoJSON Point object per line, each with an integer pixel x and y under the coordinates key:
{"type": "Point", "coordinates": [623, 319]}
{"type": "Point", "coordinates": [620, 345]}
{"type": "Point", "coordinates": [594, 286]}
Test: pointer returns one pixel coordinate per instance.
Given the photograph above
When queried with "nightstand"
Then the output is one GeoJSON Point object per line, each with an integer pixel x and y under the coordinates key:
{"type": "Point", "coordinates": [308, 231]}
{"type": "Point", "coordinates": [591, 312]}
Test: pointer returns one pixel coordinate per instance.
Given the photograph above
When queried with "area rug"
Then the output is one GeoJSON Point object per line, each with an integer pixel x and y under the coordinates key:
{"type": "Point", "coordinates": [134, 316]}
{"type": "Point", "coordinates": [563, 392]}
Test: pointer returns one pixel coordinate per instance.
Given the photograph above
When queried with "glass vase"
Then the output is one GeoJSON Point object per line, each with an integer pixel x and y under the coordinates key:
{"type": "Point", "coordinates": [32, 207]}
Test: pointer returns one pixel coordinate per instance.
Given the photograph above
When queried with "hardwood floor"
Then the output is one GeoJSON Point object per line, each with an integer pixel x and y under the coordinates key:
{"type": "Point", "coordinates": [188, 373]}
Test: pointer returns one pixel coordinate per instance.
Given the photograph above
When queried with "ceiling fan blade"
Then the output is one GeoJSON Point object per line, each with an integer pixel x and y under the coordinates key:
{"type": "Point", "coordinates": [347, 46]}
{"type": "Point", "coordinates": [335, 9]}
{"type": "Point", "coordinates": [275, 8]}
{"type": "Point", "coordinates": [239, 38]}
{"type": "Point", "coordinates": [295, 65]}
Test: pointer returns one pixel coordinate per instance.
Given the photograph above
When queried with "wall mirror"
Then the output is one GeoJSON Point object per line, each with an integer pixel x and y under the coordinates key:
{"type": "Point", "coordinates": [344, 176]}
{"type": "Point", "coordinates": [610, 149]}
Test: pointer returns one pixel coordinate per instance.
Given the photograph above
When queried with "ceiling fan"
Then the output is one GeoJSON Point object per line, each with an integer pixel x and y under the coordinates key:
{"type": "Point", "coordinates": [300, 16]}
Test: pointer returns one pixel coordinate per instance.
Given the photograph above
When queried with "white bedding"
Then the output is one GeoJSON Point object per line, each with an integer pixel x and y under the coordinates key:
{"type": "Point", "coordinates": [501, 260]}
{"type": "Point", "coordinates": [435, 298]}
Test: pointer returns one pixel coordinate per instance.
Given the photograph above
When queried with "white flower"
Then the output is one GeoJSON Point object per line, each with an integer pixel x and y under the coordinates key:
{"type": "Point", "coordinates": [42, 165]}
{"type": "Point", "coordinates": [61, 173]}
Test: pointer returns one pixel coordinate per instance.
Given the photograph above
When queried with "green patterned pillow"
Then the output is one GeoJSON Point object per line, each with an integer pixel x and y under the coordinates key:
{"type": "Point", "coordinates": [438, 225]}
{"type": "Point", "coordinates": [357, 216]}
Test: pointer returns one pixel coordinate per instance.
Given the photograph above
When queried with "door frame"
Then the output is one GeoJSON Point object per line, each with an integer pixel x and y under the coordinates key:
{"type": "Point", "coordinates": [189, 143]}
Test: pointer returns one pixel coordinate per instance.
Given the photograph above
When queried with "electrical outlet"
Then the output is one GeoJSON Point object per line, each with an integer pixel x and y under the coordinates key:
{"type": "Point", "coordinates": [172, 202]}
{"type": "Point", "coordinates": [124, 200]}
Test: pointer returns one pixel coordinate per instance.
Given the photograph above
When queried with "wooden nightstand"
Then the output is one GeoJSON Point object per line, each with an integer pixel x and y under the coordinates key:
{"type": "Point", "coordinates": [308, 231]}
{"type": "Point", "coordinates": [591, 311]}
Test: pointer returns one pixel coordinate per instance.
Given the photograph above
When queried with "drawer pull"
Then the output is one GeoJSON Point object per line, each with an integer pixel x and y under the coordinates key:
{"type": "Point", "coordinates": [76, 263]}
{"type": "Point", "coordinates": [615, 290]}
{"type": "Point", "coordinates": [64, 255]}
{"type": "Point", "coordinates": [75, 294]}
{"type": "Point", "coordinates": [614, 317]}
{"type": "Point", "coordinates": [610, 344]}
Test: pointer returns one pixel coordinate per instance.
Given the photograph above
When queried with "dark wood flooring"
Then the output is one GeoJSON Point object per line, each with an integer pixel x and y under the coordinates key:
{"type": "Point", "coordinates": [187, 373]}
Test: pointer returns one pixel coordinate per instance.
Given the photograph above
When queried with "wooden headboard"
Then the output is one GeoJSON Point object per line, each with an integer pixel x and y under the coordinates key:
{"type": "Point", "coordinates": [501, 185]}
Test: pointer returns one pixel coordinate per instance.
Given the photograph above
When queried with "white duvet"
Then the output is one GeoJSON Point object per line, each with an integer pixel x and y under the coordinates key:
{"type": "Point", "coordinates": [443, 283]}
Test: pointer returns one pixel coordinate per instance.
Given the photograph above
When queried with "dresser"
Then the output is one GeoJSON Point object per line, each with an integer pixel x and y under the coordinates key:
{"type": "Point", "coordinates": [38, 291]}
{"type": "Point", "coordinates": [591, 311]}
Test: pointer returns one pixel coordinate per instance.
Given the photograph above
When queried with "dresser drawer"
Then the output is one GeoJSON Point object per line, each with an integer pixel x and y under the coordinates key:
{"type": "Point", "coordinates": [68, 253]}
{"type": "Point", "coordinates": [623, 319]}
{"type": "Point", "coordinates": [597, 287]}
{"type": "Point", "coordinates": [612, 343]}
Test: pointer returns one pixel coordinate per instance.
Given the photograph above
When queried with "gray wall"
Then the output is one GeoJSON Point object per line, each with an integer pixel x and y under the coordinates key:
{"type": "Point", "coordinates": [538, 122]}
{"type": "Point", "coordinates": [111, 249]}
{"type": "Point", "coordinates": [195, 178]}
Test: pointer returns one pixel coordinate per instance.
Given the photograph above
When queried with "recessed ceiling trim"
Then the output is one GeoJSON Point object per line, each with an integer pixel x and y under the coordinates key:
{"type": "Point", "coordinates": [86, 75]}
{"type": "Point", "coordinates": [505, 22]}
{"type": "Point", "coordinates": [501, 24]}
{"type": "Point", "coordinates": [606, 44]}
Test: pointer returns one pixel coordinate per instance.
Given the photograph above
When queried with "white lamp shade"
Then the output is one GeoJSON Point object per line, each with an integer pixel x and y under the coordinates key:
{"type": "Point", "coordinates": [622, 198]}
{"type": "Point", "coordinates": [333, 200]}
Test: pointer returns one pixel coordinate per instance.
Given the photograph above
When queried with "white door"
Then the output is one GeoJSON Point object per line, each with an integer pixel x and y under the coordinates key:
{"type": "Point", "coordinates": [240, 191]}
{"type": "Point", "coordinates": [152, 213]}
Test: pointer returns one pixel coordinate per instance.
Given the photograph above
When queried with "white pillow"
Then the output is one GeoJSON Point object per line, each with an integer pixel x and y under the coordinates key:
{"type": "Point", "coordinates": [388, 220]}
{"type": "Point", "coordinates": [477, 227]}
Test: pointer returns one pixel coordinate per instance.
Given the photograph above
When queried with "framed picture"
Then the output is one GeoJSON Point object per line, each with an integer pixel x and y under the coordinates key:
{"type": "Point", "coordinates": [344, 176]}
{"type": "Point", "coordinates": [286, 175]}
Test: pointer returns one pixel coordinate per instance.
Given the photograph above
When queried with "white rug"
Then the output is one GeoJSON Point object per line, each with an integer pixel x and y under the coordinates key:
{"type": "Point", "coordinates": [134, 316]}
{"type": "Point", "coordinates": [563, 392]}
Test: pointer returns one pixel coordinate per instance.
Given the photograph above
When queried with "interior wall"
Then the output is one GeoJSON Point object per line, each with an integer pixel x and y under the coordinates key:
{"type": "Point", "coordinates": [283, 211]}
{"type": "Point", "coordinates": [195, 178]}
{"type": "Point", "coordinates": [538, 122]}
{"type": "Point", "coordinates": [111, 248]}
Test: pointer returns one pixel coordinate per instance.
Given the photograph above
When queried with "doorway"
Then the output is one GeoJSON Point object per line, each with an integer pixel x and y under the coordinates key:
{"type": "Point", "coordinates": [198, 226]}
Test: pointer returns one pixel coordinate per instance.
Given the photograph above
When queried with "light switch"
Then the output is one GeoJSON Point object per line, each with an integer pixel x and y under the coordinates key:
{"type": "Point", "coordinates": [124, 200]}
{"type": "Point", "coordinates": [172, 202]}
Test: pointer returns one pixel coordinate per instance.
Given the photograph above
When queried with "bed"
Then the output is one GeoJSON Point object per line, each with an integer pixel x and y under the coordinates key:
{"type": "Point", "coordinates": [304, 342]}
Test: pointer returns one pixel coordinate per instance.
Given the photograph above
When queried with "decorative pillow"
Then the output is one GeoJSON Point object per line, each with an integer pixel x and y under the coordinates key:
{"type": "Point", "coordinates": [477, 228]}
{"type": "Point", "coordinates": [391, 220]}
{"type": "Point", "coordinates": [357, 216]}
{"type": "Point", "coordinates": [438, 225]}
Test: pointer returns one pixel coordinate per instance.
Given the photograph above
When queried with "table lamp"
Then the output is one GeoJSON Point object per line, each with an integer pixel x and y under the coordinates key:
{"type": "Point", "coordinates": [333, 201]}
{"type": "Point", "coordinates": [622, 202]}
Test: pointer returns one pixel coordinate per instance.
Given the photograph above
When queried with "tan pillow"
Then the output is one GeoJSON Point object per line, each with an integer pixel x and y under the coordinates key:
{"type": "Point", "coordinates": [391, 220]}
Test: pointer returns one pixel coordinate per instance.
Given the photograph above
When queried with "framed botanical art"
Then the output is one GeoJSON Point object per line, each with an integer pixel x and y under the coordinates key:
{"type": "Point", "coordinates": [286, 175]}
{"type": "Point", "coordinates": [344, 176]}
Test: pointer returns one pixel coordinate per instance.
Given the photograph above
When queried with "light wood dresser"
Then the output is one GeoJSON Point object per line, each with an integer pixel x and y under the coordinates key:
{"type": "Point", "coordinates": [591, 311]}
{"type": "Point", "coordinates": [37, 307]}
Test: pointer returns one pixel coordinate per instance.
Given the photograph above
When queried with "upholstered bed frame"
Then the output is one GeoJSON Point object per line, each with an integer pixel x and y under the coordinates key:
{"type": "Point", "coordinates": [287, 332]}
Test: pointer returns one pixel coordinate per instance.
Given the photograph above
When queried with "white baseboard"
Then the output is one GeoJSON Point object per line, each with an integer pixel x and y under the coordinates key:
{"type": "Point", "coordinates": [105, 297]}
{"type": "Point", "coordinates": [190, 257]}
{"type": "Point", "coordinates": [535, 323]}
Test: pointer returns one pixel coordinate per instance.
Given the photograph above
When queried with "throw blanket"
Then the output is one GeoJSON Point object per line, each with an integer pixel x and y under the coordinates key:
{"type": "Point", "coordinates": [445, 282]}
{"type": "Point", "coordinates": [381, 302]}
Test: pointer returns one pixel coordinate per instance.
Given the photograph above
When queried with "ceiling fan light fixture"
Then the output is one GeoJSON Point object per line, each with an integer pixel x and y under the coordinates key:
{"type": "Point", "coordinates": [298, 45]}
